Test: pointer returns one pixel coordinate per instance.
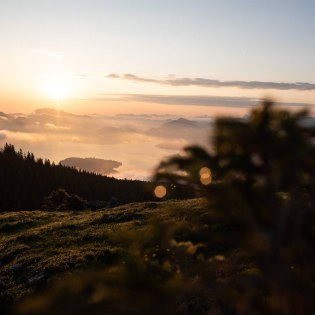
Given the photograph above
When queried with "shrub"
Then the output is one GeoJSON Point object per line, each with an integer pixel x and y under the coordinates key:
{"type": "Point", "coordinates": [59, 200]}
{"type": "Point", "coordinates": [259, 179]}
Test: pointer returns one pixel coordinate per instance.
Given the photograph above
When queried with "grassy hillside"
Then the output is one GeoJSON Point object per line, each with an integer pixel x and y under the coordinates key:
{"type": "Point", "coordinates": [38, 247]}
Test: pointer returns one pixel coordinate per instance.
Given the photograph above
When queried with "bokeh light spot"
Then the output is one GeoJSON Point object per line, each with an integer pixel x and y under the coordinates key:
{"type": "Point", "coordinates": [160, 191]}
{"type": "Point", "coordinates": [205, 176]}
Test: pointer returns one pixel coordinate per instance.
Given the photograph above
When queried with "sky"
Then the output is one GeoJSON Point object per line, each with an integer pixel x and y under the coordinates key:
{"type": "Point", "coordinates": [118, 72]}
{"type": "Point", "coordinates": [116, 56]}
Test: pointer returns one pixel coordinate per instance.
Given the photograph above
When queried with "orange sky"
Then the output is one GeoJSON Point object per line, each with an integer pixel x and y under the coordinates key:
{"type": "Point", "coordinates": [66, 54]}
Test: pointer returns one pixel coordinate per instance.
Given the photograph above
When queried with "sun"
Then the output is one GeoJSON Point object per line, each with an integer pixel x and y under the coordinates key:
{"type": "Point", "coordinates": [56, 88]}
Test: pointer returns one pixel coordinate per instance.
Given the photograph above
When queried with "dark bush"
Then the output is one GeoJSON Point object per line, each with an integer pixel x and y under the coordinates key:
{"type": "Point", "coordinates": [60, 200]}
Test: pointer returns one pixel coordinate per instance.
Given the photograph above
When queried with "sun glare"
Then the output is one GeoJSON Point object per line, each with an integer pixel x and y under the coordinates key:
{"type": "Point", "coordinates": [56, 88]}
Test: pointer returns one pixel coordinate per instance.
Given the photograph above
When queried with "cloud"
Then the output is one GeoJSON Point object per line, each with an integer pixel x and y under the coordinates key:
{"type": "Point", "coordinates": [48, 53]}
{"type": "Point", "coordinates": [193, 100]}
{"type": "Point", "coordinates": [173, 144]}
{"type": "Point", "coordinates": [2, 135]}
{"type": "Point", "coordinates": [86, 74]}
{"type": "Point", "coordinates": [139, 142]}
{"type": "Point", "coordinates": [21, 136]}
{"type": "Point", "coordinates": [198, 100]}
{"type": "Point", "coordinates": [123, 139]}
{"type": "Point", "coordinates": [209, 83]}
{"type": "Point", "coordinates": [144, 116]}
{"type": "Point", "coordinates": [55, 127]}
{"type": "Point", "coordinates": [113, 76]}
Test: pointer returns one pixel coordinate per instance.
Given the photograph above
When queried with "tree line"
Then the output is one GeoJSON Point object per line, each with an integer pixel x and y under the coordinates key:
{"type": "Point", "coordinates": [25, 181]}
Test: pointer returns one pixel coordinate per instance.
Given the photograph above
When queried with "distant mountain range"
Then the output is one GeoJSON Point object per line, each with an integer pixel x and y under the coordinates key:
{"type": "Point", "coordinates": [181, 129]}
{"type": "Point", "coordinates": [98, 166]}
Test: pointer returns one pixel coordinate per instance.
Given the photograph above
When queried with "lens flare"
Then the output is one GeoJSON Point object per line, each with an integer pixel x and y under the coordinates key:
{"type": "Point", "coordinates": [205, 176]}
{"type": "Point", "coordinates": [160, 191]}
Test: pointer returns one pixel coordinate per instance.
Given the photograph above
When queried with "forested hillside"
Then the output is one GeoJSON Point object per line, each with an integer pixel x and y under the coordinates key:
{"type": "Point", "coordinates": [25, 181]}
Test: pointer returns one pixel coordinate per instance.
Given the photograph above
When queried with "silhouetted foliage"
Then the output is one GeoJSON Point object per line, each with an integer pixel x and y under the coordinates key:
{"type": "Point", "coordinates": [25, 181]}
{"type": "Point", "coordinates": [59, 200]}
{"type": "Point", "coordinates": [261, 186]}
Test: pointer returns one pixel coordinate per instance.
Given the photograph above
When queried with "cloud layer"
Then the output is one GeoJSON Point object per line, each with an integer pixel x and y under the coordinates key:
{"type": "Point", "coordinates": [138, 142]}
{"type": "Point", "coordinates": [204, 82]}
{"type": "Point", "coordinates": [193, 100]}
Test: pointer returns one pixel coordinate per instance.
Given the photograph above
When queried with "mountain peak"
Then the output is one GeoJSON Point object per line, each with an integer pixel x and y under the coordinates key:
{"type": "Point", "coordinates": [182, 122]}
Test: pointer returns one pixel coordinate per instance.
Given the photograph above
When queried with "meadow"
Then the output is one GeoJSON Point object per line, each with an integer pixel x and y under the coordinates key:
{"type": "Point", "coordinates": [40, 248]}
